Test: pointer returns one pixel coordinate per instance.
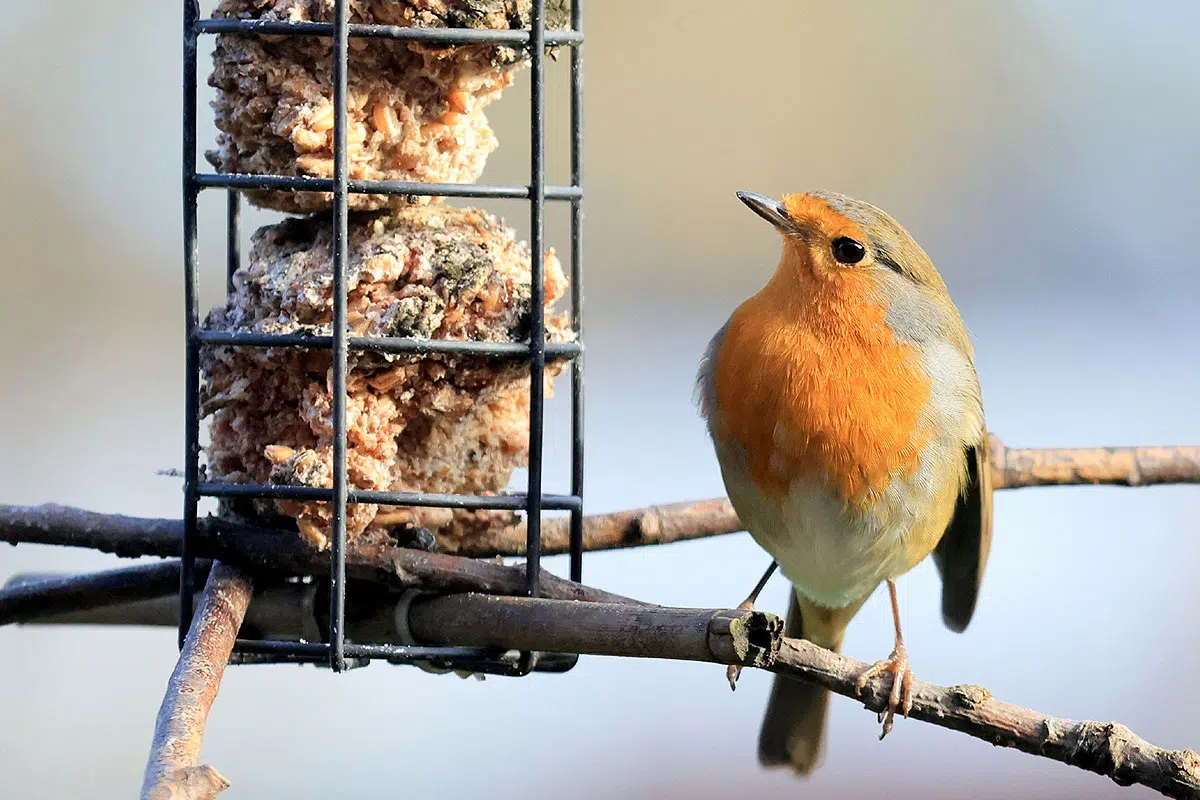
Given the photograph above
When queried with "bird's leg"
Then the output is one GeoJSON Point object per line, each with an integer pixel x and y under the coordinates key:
{"type": "Point", "coordinates": [752, 598]}
{"type": "Point", "coordinates": [900, 698]}
{"type": "Point", "coordinates": [735, 670]}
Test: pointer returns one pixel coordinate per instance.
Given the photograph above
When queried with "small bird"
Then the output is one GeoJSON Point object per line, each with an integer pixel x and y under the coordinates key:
{"type": "Point", "coordinates": [847, 420]}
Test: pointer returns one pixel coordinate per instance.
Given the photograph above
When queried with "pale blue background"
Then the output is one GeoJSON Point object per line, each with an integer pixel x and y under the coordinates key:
{"type": "Point", "coordinates": [1043, 153]}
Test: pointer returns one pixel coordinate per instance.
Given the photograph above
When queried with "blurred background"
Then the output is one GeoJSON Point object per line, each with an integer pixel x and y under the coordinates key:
{"type": "Point", "coordinates": [1044, 155]}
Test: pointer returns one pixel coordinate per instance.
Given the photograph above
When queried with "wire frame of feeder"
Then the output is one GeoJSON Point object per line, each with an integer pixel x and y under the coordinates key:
{"type": "Point", "coordinates": [336, 651]}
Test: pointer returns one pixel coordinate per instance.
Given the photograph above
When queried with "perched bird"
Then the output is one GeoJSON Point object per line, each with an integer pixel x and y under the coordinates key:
{"type": "Point", "coordinates": [846, 416]}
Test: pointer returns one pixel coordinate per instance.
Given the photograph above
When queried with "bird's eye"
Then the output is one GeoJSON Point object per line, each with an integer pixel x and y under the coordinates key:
{"type": "Point", "coordinates": [848, 251]}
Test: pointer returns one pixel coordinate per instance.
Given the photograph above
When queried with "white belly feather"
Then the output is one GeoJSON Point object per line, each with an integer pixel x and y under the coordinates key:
{"type": "Point", "coordinates": [831, 555]}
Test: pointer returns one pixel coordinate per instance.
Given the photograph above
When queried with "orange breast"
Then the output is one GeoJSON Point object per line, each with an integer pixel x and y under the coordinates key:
{"type": "Point", "coordinates": [812, 384]}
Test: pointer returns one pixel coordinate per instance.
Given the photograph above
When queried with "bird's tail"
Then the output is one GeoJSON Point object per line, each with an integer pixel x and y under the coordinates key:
{"type": "Point", "coordinates": [793, 729]}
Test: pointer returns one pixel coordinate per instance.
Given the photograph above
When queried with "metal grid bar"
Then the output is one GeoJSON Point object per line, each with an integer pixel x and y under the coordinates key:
{"type": "Point", "coordinates": [576, 530]}
{"type": "Point", "coordinates": [537, 313]}
{"type": "Point", "coordinates": [233, 237]}
{"type": "Point", "coordinates": [477, 659]}
{"type": "Point", "coordinates": [305, 184]}
{"type": "Point", "coordinates": [513, 501]}
{"type": "Point", "coordinates": [341, 213]}
{"type": "Point", "coordinates": [338, 653]}
{"type": "Point", "coordinates": [388, 344]}
{"type": "Point", "coordinates": [444, 36]}
{"type": "Point", "coordinates": [191, 290]}
{"type": "Point", "coordinates": [313, 651]}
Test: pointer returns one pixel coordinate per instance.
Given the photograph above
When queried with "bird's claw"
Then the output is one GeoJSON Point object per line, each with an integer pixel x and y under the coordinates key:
{"type": "Point", "coordinates": [901, 697]}
{"type": "Point", "coordinates": [735, 670]}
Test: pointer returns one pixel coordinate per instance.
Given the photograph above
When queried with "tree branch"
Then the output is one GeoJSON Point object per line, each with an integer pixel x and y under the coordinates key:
{"type": "Point", "coordinates": [283, 551]}
{"type": "Point", "coordinates": [33, 596]}
{"type": "Point", "coordinates": [1106, 748]}
{"type": "Point", "coordinates": [1012, 468]}
{"type": "Point", "coordinates": [636, 527]}
{"type": "Point", "coordinates": [724, 637]}
{"type": "Point", "coordinates": [755, 639]}
{"type": "Point", "coordinates": [172, 772]}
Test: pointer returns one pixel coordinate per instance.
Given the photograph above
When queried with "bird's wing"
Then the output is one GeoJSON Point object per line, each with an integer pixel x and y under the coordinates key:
{"type": "Point", "coordinates": [962, 553]}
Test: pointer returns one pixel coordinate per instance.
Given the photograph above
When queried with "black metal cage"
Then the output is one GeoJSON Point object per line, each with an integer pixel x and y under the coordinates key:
{"type": "Point", "coordinates": [336, 651]}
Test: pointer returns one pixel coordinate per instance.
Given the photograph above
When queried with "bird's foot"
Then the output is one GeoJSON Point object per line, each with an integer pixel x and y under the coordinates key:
{"type": "Point", "coordinates": [735, 670]}
{"type": "Point", "coordinates": [901, 698]}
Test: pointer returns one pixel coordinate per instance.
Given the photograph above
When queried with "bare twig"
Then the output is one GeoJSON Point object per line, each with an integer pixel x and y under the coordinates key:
{"type": "Point", "coordinates": [284, 551]}
{"type": "Point", "coordinates": [1109, 748]}
{"type": "Point", "coordinates": [637, 527]}
{"type": "Point", "coordinates": [1012, 468]}
{"type": "Point", "coordinates": [750, 638]}
{"type": "Point", "coordinates": [747, 638]}
{"type": "Point", "coordinates": [40, 596]}
{"type": "Point", "coordinates": [1106, 748]}
{"type": "Point", "coordinates": [755, 639]}
{"type": "Point", "coordinates": [172, 772]}
{"type": "Point", "coordinates": [128, 537]}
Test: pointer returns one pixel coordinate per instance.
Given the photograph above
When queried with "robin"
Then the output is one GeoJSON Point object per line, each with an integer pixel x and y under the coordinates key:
{"type": "Point", "coordinates": [846, 416]}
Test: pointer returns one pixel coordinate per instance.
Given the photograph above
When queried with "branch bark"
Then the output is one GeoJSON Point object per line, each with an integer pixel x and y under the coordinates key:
{"type": "Point", "coordinates": [1012, 468]}
{"type": "Point", "coordinates": [755, 639]}
{"type": "Point", "coordinates": [172, 772]}
{"type": "Point", "coordinates": [35, 596]}
{"type": "Point", "coordinates": [283, 551]}
{"type": "Point", "coordinates": [742, 637]}
{"type": "Point", "coordinates": [749, 638]}
{"type": "Point", "coordinates": [1106, 748]}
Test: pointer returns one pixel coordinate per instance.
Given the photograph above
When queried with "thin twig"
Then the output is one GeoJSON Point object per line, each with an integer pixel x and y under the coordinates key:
{"type": "Point", "coordinates": [172, 772]}
{"type": "Point", "coordinates": [45, 595]}
{"type": "Point", "coordinates": [747, 638]}
{"type": "Point", "coordinates": [284, 551]}
{"type": "Point", "coordinates": [1012, 468]}
{"type": "Point", "coordinates": [1106, 748]}
{"type": "Point", "coordinates": [637, 527]}
{"type": "Point", "coordinates": [732, 636]}
{"type": "Point", "coordinates": [723, 636]}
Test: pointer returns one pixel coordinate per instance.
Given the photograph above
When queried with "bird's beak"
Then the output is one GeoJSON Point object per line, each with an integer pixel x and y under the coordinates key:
{"type": "Point", "coordinates": [770, 210]}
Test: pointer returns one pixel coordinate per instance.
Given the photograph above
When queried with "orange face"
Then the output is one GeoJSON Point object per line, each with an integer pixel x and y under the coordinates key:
{"type": "Point", "coordinates": [809, 379]}
{"type": "Point", "coordinates": [824, 240]}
